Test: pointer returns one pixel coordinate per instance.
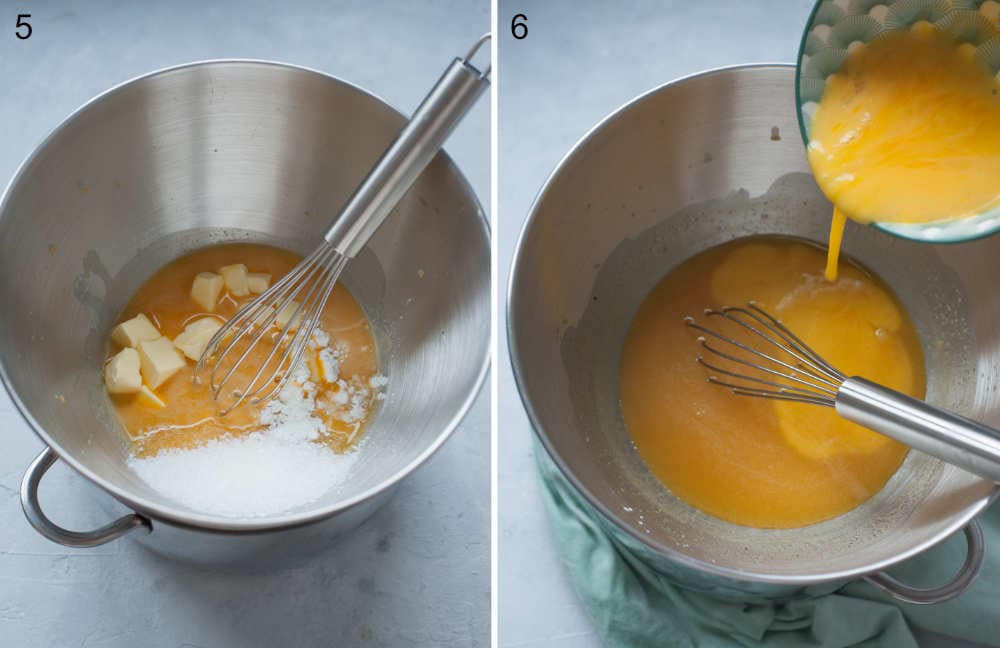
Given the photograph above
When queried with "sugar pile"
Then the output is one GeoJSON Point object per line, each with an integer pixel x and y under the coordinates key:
{"type": "Point", "coordinates": [254, 475]}
{"type": "Point", "coordinates": [268, 471]}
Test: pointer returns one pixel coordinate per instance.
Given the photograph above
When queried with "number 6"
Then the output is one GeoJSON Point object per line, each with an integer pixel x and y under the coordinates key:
{"type": "Point", "coordinates": [519, 29]}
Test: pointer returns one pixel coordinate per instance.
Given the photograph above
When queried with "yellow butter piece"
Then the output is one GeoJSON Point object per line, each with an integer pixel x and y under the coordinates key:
{"type": "Point", "coordinates": [149, 398]}
{"type": "Point", "coordinates": [258, 282]}
{"type": "Point", "coordinates": [235, 276]}
{"type": "Point", "coordinates": [205, 290]}
{"type": "Point", "coordinates": [121, 373]}
{"type": "Point", "coordinates": [159, 361]}
{"type": "Point", "coordinates": [285, 314]}
{"type": "Point", "coordinates": [131, 332]}
{"type": "Point", "coordinates": [196, 335]}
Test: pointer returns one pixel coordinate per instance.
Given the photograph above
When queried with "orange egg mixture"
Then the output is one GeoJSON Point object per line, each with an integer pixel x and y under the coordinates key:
{"type": "Point", "coordinates": [908, 131]}
{"type": "Point", "coordinates": [188, 416]}
{"type": "Point", "coordinates": [751, 461]}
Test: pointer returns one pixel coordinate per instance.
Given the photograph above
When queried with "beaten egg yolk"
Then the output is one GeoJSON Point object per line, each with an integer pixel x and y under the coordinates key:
{"type": "Point", "coordinates": [752, 461]}
{"type": "Point", "coordinates": [908, 131]}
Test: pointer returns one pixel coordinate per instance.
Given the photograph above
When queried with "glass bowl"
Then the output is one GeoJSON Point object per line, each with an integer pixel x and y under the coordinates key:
{"type": "Point", "coordinates": [836, 27]}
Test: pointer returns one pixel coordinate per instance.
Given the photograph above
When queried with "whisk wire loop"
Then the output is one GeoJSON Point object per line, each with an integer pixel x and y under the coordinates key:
{"type": "Point", "coordinates": [794, 341]}
{"type": "Point", "coordinates": [313, 279]}
{"type": "Point", "coordinates": [283, 296]}
{"type": "Point", "coordinates": [292, 324]}
{"type": "Point", "coordinates": [755, 379]}
{"type": "Point", "coordinates": [787, 342]}
{"type": "Point", "coordinates": [242, 323]}
{"type": "Point", "coordinates": [300, 341]}
{"type": "Point", "coordinates": [758, 353]}
{"type": "Point", "coordinates": [237, 325]}
{"type": "Point", "coordinates": [788, 370]}
{"type": "Point", "coordinates": [780, 395]}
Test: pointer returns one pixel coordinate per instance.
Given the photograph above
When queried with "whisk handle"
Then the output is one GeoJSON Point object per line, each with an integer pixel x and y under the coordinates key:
{"type": "Point", "coordinates": [412, 150]}
{"type": "Point", "coordinates": [952, 438]}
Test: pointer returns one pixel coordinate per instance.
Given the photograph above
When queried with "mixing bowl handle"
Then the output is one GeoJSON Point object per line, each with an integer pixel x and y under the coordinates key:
{"type": "Point", "coordinates": [973, 562]}
{"type": "Point", "coordinates": [54, 532]}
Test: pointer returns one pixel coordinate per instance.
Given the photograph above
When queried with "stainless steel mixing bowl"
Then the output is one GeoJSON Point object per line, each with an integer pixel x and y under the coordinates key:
{"type": "Point", "coordinates": [683, 168]}
{"type": "Point", "coordinates": [210, 153]}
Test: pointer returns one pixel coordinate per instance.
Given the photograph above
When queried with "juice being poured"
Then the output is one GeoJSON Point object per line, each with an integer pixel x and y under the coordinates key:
{"type": "Point", "coordinates": [908, 131]}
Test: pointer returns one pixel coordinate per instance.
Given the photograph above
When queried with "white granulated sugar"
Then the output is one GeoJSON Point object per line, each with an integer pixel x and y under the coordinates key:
{"type": "Point", "coordinates": [319, 339]}
{"type": "Point", "coordinates": [359, 405]}
{"type": "Point", "coordinates": [289, 416]}
{"type": "Point", "coordinates": [343, 396]}
{"type": "Point", "coordinates": [247, 476]}
{"type": "Point", "coordinates": [269, 471]}
{"type": "Point", "coordinates": [352, 400]}
{"type": "Point", "coordinates": [330, 364]}
{"type": "Point", "coordinates": [377, 382]}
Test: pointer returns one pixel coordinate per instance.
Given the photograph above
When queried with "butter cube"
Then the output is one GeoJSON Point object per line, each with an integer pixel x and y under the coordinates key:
{"type": "Point", "coordinates": [131, 332]}
{"type": "Point", "coordinates": [194, 339]}
{"type": "Point", "coordinates": [148, 398]}
{"type": "Point", "coordinates": [236, 279]}
{"type": "Point", "coordinates": [285, 314]}
{"type": "Point", "coordinates": [258, 282]}
{"type": "Point", "coordinates": [121, 373]}
{"type": "Point", "coordinates": [159, 360]}
{"type": "Point", "coordinates": [205, 290]}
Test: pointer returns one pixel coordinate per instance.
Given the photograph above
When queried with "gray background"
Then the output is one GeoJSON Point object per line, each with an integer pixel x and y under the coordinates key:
{"type": "Point", "coordinates": [579, 62]}
{"type": "Point", "coordinates": [418, 572]}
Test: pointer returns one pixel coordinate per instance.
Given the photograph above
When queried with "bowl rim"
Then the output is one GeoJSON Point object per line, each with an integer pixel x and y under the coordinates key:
{"type": "Point", "coordinates": [216, 523]}
{"type": "Point", "coordinates": [610, 515]}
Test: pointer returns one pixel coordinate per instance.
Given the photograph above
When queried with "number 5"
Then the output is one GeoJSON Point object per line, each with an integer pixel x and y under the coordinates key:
{"type": "Point", "coordinates": [21, 22]}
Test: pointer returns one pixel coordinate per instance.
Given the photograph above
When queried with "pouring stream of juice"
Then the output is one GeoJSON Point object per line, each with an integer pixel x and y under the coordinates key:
{"type": "Point", "coordinates": [836, 238]}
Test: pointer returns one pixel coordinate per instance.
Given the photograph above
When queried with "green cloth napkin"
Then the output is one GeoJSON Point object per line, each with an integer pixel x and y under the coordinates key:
{"type": "Point", "coordinates": [634, 605]}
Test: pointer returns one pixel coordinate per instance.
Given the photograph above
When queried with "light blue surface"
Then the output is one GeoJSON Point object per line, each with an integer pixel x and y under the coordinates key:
{"type": "Point", "coordinates": [417, 573]}
{"type": "Point", "coordinates": [580, 62]}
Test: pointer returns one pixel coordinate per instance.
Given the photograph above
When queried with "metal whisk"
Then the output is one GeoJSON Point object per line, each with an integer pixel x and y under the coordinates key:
{"type": "Point", "coordinates": [774, 363]}
{"type": "Point", "coordinates": [296, 301]}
